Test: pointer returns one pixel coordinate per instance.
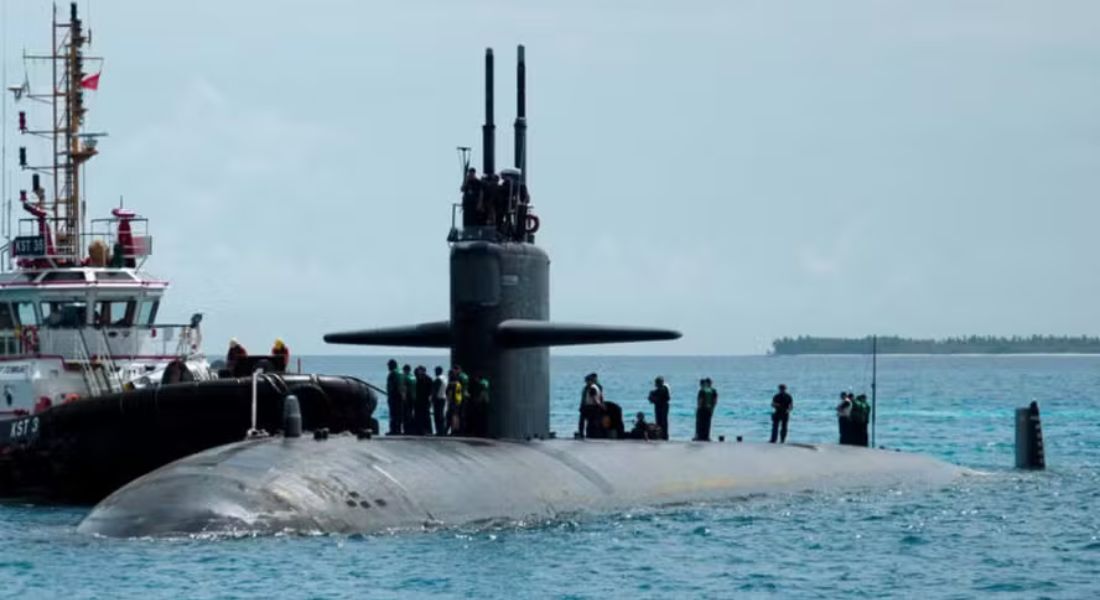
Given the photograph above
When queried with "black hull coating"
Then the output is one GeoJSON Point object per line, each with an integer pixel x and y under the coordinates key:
{"type": "Point", "coordinates": [82, 451]}
{"type": "Point", "coordinates": [344, 485]}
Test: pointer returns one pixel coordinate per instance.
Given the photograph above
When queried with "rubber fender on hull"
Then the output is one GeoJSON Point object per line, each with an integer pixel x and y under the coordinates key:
{"type": "Point", "coordinates": [83, 450]}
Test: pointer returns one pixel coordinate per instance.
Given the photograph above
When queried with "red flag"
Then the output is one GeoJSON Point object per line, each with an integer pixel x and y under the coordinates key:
{"type": "Point", "coordinates": [90, 82]}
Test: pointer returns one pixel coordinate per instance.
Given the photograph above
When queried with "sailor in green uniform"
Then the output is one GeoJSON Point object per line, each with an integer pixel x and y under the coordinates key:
{"type": "Point", "coordinates": [464, 410]}
{"type": "Point", "coordinates": [409, 397]}
{"type": "Point", "coordinates": [707, 399]}
{"type": "Point", "coordinates": [861, 412]}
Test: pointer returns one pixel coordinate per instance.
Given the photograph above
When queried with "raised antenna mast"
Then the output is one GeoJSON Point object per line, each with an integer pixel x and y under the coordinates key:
{"type": "Point", "coordinates": [4, 196]}
{"type": "Point", "coordinates": [488, 130]}
{"type": "Point", "coordinates": [521, 116]}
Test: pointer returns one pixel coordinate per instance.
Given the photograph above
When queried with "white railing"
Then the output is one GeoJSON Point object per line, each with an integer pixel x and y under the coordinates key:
{"type": "Point", "coordinates": [120, 343]}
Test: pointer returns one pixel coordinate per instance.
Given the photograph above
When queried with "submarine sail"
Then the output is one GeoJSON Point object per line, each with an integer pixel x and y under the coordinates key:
{"type": "Point", "coordinates": [500, 326]}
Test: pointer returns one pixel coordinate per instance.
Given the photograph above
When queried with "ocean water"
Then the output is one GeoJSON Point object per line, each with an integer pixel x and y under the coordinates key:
{"type": "Point", "coordinates": [1002, 532]}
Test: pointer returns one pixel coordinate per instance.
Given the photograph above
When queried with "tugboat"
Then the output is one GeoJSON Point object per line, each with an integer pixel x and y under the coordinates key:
{"type": "Point", "coordinates": [94, 391]}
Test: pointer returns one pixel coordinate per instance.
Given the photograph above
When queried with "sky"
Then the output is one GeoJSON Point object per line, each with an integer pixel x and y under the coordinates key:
{"type": "Point", "coordinates": [736, 170]}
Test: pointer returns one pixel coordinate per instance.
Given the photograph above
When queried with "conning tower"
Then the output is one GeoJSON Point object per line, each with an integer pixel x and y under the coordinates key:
{"type": "Point", "coordinates": [499, 326]}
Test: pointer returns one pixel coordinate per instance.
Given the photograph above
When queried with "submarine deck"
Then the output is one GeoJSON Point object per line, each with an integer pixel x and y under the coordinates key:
{"type": "Point", "coordinates": [346, 485]}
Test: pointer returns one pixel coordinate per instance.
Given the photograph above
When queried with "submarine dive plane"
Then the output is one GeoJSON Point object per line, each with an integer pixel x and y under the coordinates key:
{"type": "Point", "coordinates": [499, 328]}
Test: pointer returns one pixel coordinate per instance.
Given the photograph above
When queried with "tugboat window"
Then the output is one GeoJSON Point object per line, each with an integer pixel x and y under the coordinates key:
{"type": "Point", "coordinates": [148, 312]}
{"type": "Point", "coordinates": [115, 313]}
{"type": "Point", "coordinates": [7, 319]}
{"type": "Point", "coordinates": [113, 276]}
{"type": "Point", "coordinates": [68, 315]}
{"type": "Point", "coordinates": [25, 314]}
{"type": "Point", "coordinates": [63, 276]}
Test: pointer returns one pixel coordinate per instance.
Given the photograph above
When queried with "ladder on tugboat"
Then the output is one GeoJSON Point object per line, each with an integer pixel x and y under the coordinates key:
{"type": "Point", "coordinates": [101, 376]}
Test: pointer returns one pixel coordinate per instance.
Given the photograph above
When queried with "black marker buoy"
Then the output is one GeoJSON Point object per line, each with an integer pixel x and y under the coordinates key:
{"type": "Point", "coordinates": [1029, 438]}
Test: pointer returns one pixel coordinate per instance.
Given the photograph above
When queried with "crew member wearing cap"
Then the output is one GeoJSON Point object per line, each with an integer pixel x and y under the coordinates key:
{"type": "Point", "coordinates": [234, 355]}
{"type": "Point", "coordinates": [706, 400]}
{"type": "Point", "coordinates": [280, 355]}
{"type": "Point", "coordinates": [844, 417]}
{"type": "Point", "coordinates": [471, 198]}
{"type": "Point", "coordinates": [590, 421]}
{"type": "Point", "coordinates": [395, 393]}
{"type": "Point", "coordinates": [782, 404]}
{"type": "Point", "coordinates": [660, 397]}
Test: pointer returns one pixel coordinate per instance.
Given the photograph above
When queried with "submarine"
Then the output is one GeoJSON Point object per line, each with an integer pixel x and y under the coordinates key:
{"type": "Point", "coordinates": [516, 470]}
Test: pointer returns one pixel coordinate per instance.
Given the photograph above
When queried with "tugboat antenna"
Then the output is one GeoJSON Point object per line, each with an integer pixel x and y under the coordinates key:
{"type": "Point", "coordinates": [4, 196]}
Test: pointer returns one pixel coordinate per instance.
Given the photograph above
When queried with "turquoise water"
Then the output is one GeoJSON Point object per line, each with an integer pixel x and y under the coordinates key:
{"type": "Point", "coordinates": [1005, 532]}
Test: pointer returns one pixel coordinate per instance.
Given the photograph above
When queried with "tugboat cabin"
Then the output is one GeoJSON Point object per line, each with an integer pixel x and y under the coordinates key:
{"type": "Point", "coordinates": [74, 327]}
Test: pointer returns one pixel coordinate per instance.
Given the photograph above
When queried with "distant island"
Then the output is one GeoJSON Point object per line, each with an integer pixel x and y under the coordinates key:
{"type": "Point", "coordinates": [975, 344]}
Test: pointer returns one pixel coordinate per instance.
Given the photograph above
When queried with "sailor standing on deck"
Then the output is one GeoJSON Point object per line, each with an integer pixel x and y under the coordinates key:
{"type": "Point", "coordinates": [408, 398]}
{"type": "Point", "coordinates": [422, 416]}
{"type": "Point", "coordinates": [454, 400]}
{"type": "Point", "coordinates": [861, 411]}
{"type": "Point", "coordinates": [844, 417]}
{"type": "Point", "coordinates": [660, 397]}
{"type": "Point", "coordinates": [782, 405]}
{"type": "Point", "coordinates": [707, 399]}
{"type": "Point", "coordinates": [439, 402]}
{"type": "Point", "coordinates": [466, 392]}
{"type": "Point", "coordinates": [395, 394]}
{"type": "Point", "coordinates": [591, 409]}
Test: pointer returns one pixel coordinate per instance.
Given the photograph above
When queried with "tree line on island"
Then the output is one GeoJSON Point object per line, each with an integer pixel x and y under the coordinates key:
{"type": "Point", "coordinates": [974, 344]}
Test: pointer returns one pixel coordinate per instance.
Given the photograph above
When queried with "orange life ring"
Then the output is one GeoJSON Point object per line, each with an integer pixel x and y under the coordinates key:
{"type": "Point", "coordinates": [532, 223]}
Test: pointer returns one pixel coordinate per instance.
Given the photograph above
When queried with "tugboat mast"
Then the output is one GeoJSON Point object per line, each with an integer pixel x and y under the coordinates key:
{"type": "Point", "coordinates": [71, 147]}
{"type": "Point", "coordinates": [4, 195]}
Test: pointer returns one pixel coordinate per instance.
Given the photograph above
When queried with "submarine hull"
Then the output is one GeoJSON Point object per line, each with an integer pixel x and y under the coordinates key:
{"type": "Point", "coordinates": [82, 451]}
{"type": "Point", "coordinates": [345, 485]}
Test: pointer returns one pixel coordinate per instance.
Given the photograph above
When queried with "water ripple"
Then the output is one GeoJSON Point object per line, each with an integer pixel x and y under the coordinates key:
{"type": "Point", "coordinates": [996, 531]}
